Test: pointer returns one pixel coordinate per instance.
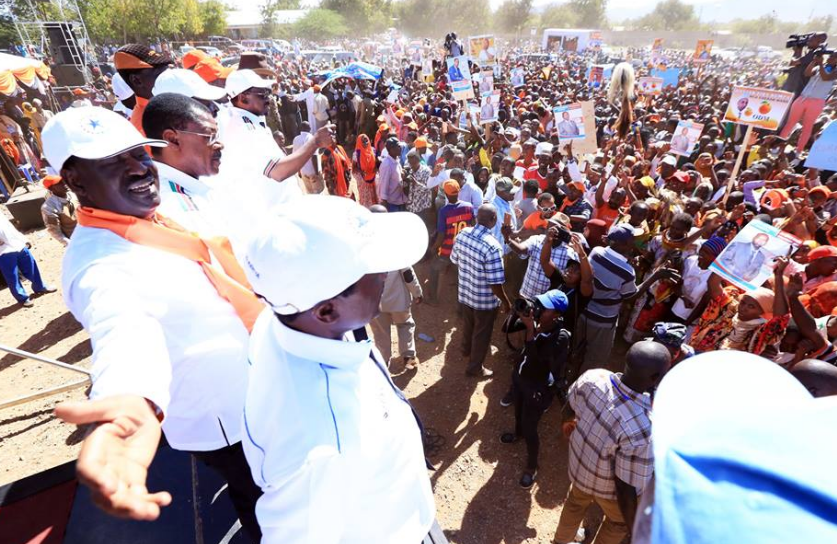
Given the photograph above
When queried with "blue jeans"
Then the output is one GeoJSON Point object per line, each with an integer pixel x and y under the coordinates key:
{"type": "Point", "coordinates": [396, 207]}
{"type": "Point", "coordinates": [24, 263]}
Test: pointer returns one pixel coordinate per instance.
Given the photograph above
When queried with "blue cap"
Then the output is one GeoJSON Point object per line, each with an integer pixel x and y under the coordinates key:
{"type": "Point", "coordinates": [741, 454]}
{"type": "Point", "coordinates": [622, 232]}
{"type": "Point", "coordinates": [554, 300]}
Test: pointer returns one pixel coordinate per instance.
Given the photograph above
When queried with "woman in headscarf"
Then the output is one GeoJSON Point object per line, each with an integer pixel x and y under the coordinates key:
{"type": "Point", "coordinates": [745, 321]}
{"type": "Point", "coordinates": [337, 170]}
{"type": "Point", "coordinates": [32, 114]}
{"type": "Point", "coordinates": [365, 169]}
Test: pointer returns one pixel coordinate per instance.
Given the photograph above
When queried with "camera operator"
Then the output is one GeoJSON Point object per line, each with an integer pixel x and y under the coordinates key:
{"type": "Point", "coordinates": [797, 79]}
{"type": "Point", "coordinates": [544, 356]}
{"type": "Point", "coordinates": [576, 278]}
{"type": "Point", "coordinates": [811, 101]}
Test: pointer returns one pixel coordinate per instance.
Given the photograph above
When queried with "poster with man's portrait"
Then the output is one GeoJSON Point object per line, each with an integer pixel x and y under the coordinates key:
{"type": "Point", "coordinates": [703, 51]}
{"type": "Point", "coordinates": [459, 78]}
{"type": "Point", "coordinates": [486, 82]}
{"type": "Point", "coordinates": [489, 106]}
{"type": "Point", "coordinates": [569, 121]}
{"type": "Point", "coordinates": [749, 259]}
{"type": "Point", "coordinates": [482, 49]}
{"type": "Point", "coordinates": [518, 77]}
{"type": "Point", "coordinates": [685, 137]}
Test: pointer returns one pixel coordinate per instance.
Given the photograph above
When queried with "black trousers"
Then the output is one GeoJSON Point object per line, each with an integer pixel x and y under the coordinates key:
{"type": "Point", "coordinates": [530, 402]}
{"type": "Point", "coordinates": [476, 334]}
{"type": "Point", "coordinates": [231, 464]}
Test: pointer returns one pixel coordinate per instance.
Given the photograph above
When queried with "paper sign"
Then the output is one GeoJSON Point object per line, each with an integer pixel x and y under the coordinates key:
{"type": "Point", "coordinates": [670, 76]}
{"type": "Point", "coordinates": [490, 105]}
{"type": "Point", "coordinates": [760, 108]}
{"type": "Point", "coordinates": [650, 85]}
{"type": "Point", "coordinates": [657, 46]}
{"type": "Point", "coordinates": [519, 172]}
{"type": "Point", "coordinates": [748, 260]}
{"type": "Point", "coordinates": [482, 49]}
{"type": "Point", "coordinates": [702, 51]}
{"type": "Point", "coordinates": [595, 42]}
{"type": "Point", "coordinates": [824, 151]}
{"type": "Point", "coordinates": [459, 78]}
{"type": "Point", "coordinates": [576, 123]}
{"type": "Point", "coordinates": [486, 83]}
{"type": "Point", "coordinates": [595, 76]}
{"type": "Point", "coordinates": [518, 77]}
{"type": "Point", "coordinates": [685, 137]}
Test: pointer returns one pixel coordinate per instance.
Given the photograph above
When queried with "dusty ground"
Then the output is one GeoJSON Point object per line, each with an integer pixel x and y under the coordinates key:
{"type": "Point", "coordinates": [477, 496]}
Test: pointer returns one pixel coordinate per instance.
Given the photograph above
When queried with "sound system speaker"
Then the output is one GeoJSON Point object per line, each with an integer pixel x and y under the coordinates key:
{"type": "Point", "coordinates": [62, 42]}
{"type": "Point", "coordinates": [68, 75]}
{"type": "Point", "coordinates": [26, 208]}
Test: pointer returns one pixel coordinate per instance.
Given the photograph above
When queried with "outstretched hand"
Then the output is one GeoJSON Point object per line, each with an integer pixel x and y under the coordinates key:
{"type": "Point", "coordinates": [114, 458]}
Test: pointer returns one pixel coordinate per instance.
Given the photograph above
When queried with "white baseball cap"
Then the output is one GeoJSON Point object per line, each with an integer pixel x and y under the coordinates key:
{"type": "Point", "coordinates": [320, 245]}
{"type": "Point", "coordinates": [543, 148]}
{"type": "Point", "coordinates": [187, 83]}
{"type": "Point", "coordinates": [120, 88]}
{"type": "Point", "coordinates": [669, 160]}
{"type": "Point", "coordinates": [90, 133]}
{"type": "Point", "coordinates": [241, 80]}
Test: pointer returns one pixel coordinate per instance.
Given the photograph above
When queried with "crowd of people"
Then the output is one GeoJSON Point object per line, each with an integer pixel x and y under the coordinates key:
{"type": "Point", "coordinates": [231, 232]}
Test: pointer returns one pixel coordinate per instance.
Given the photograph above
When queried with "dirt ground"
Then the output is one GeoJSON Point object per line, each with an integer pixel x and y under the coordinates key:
{"type": "Point", "coordinates": [478, 499]}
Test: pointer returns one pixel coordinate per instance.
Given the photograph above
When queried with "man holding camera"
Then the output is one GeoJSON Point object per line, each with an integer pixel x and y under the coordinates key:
{"type": "Point", "coordinates": [545, 353]}
{"type": "Point", "coordinates": [811, 101]}
{"type": "Point", "coordinates": [797, 79]}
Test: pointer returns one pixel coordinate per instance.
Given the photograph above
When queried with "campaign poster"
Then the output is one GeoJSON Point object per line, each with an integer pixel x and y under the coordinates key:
{"type": "Point", "coordinates": [489, 106]}
{"type": "Point", "coordinates": [595, 42]}
{"type": "Point", "coordinates": [823, 153]}
{"type": "Point", "coordinates": [459, 78]}
{"type": "Point", "coordinates": [759, 108]}
{"type": "Point", "coordinates": [670, 76]}
{"type": "Point", "coordinates": [595, 76]}
{"type": "Point", "coordinates": [518, 77]}
{"type": "Point", "coordinates": [748, 260]}
{"type": "Point", "coordinates": [415, 54]}
{"type": "Point", "coordinates": [482, 49]}
{"type": "Point", "coordinates": [650, 85]}
{"type": "Point", "coordinates": [703, 51]}
{"type": "Point", "coordinates": [685, 137]}
{"type": "Point", "coordinates": [486, 82]}
{"type": "Point", "coordinates": [576, 123]}
{"type": "Point", "coordinates": [657, 46]}
{"type": "Point", "coordinates": [426, 66]}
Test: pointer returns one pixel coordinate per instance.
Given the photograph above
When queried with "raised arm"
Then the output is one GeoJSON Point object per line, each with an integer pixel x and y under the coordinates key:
{"type": "Point", "coordinates": [293, 163]}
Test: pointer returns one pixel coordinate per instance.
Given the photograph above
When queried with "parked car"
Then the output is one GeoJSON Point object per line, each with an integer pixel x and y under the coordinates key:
{"type": "Point", "coordinates": [211, 51]}
{"type": "Point", "coordinates": [221, 41]}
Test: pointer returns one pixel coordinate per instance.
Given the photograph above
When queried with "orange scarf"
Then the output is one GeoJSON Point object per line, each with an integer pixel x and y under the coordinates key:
{"type": "Point", "coordinates": [366, 158]}
{"type": "Point", "coordinates": [166, 235]}
{"type": "Point", "coordinates": [342, 167]}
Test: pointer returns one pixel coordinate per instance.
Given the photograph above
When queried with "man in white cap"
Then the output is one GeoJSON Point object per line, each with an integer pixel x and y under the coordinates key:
{"type": "Point", "coordinates": [168, 314]}
{"type": "Point", "coordinates": [250, 146]}
{"type": "Point", "coordinates": [332, 441]}
{"type": "Point", "coordinates": [188, 83]}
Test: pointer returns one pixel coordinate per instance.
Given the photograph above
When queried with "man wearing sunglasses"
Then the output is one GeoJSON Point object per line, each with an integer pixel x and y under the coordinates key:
{"type": "Point", "coordinates": [251, 151]}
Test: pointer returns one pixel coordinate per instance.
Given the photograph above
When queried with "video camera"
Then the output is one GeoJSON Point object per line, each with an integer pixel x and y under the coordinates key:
{"type": "Point", "coordinates": [798, 40]}
{"type": "Point", "coordinates": [822, 50]}
{"type": "Point", "coordinates": [527, 307]}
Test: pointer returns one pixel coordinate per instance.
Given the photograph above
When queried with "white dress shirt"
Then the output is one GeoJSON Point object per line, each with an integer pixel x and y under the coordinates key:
{"type": "Point", "coordinates": [332, 444]}
{"type": "Point", "coordinates": [300, 141]}
{"type": "Point", "coordinates": [161, 331]}
{"type": "Point", "coordinates": [250, 151]}
{"type": "Point", "coordinates": [11, 240]}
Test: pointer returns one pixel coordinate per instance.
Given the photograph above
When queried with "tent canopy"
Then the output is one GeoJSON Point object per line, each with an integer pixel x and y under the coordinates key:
{"type": "Point", "coordinates": [22, 69]}
{"type": "Point", "coordinates": [355, 70]}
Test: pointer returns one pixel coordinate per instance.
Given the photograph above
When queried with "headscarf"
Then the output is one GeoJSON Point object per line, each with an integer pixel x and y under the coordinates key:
{"type": "Point", "coordinates": [821, 300]}
{"type": "Point", "coordinates": [342, 165]}
{"type": "Point", "coordinates": [669, 334]}
{"type": "Point", "coordinates": [365, 158]}
{"type": "Point", "coordinates": [714, 246]}
{"type": "Point", "coordinates": [764, 297]}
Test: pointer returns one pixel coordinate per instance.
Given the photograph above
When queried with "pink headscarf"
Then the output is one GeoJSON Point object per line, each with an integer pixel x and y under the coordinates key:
{"type": "Point", "coordinates": [764, 298]}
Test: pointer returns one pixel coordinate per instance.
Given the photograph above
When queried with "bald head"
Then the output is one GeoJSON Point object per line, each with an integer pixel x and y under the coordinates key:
{"type": "Point", "coordinates": [487, 216]}
{"type": "Point", "coordinates": [645, 365]}
{"type": "Point", "coordinates": [818, 377]}
{"type": "Point", "coordinates": [377, 208]}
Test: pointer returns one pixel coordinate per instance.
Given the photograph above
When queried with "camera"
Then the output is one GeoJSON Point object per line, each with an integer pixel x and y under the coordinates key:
{"type": "Point", "coordinates": [798, 40]}
{"type": "Point", "coordinates": [526, 307]}
{"type": "Point", "coordinates": [563, 236]}
{"type": "Point", "coordinates": [822, 50]}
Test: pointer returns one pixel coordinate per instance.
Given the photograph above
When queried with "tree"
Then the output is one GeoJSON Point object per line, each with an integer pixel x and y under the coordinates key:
{"type": "Point", "coordinates": [363, 17]}
{"type": "Point", "coordinates": [8, 33]}
{"type": "Point", "coordinates": [213, 17]}
{"type": "Point", "coordinates": [512, 15]}
{"type": "Point", "coordinates": [321, 24]}
{"type": "Point", "coordinates": [559, 15]}
{"type": "Point", "coordinates": [591, 13]}
{"type": "Point", "coordinates": [268, 10]}
{"type": "Point", "coordinates": [192, 25]}
{"type": "Point", "coordinates": [669, 15]}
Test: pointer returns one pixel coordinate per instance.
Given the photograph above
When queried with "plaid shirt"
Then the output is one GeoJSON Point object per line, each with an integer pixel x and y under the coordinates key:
{"type": "Point", "coordinates": [613, 436]}
{"type": "Point", "coordinates": [579, 207]}
{"type": "Point", "coordinates": [535, 281]}
{"type": "Point", "coordinates": [479, 257]}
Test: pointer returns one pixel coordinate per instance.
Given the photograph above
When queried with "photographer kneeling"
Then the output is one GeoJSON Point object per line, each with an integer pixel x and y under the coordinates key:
{"type": "Point", "coordinates": [545, 354]}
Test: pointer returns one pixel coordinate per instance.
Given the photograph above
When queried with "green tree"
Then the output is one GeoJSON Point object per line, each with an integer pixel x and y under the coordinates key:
{"type": "Point", "coordinates": [363, 17]}
{"type": "Point", "coordinates": [512, 15]}
{"type": "Point", "coordinates": [558, 15]}
{"type": "Point", "coordinates": [268, 10]}
{"type": "Point", "coordinates": [669, 15]}
{"type": "Point", "coordinates": [116, 20]}
{"type": "Point", "coordinates": [192, 25]}
{"type": "Point", "coordinates": [591, 13]}
{"type": "Point", "coordinates": [8, 33]}
{"type": "Point", "coordinates": [213, 17]}
{"type": "Point", "coordinates": [321, 24]}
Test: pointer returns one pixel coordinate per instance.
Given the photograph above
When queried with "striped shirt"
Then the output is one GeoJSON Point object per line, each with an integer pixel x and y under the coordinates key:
{"type": "Point", "coordinates": [535, 281]}
{"type": "Point", "coordinates": [479, 257]}
{"type": "Point", "coordinates": [614, 280]}
{"type": "Point", "coordinates": [452, 219]}
{"type": "Point", "coordinates": [612, 438]}
{"type": "Point", "coordinates": [829, 352]}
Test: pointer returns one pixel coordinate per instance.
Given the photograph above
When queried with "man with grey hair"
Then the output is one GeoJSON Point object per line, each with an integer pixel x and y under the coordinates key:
{"type": "Point", "coordinates": [479, 257]}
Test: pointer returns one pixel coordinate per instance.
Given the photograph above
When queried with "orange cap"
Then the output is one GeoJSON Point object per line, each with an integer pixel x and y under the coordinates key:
{"type": "Point", "coordinates": [451, 187]}
{"type": "Point", "coordinates": [210, 69]}
{"type": "Point", "coordinates": [49, 181]}
{"type": "Point", "coordinates": [193, 57]}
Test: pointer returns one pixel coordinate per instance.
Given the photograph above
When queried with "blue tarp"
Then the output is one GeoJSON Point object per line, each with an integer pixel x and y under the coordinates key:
{"type": "Point", "coordinates": [355, 70]}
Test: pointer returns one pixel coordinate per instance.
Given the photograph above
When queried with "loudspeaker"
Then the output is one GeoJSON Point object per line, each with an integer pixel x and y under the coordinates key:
{"type": "Point", "coordinates": [67, 75]}
{"type": "Point", "coordinates": [62, 42]}
{"type": "Point", "coordinates": [26, 208]}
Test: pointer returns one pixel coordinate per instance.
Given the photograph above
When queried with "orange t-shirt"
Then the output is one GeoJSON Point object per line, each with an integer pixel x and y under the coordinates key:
{"type": "Point", "coordinates": [607, 214]}
{"type": "Point", "coordinates": [535, 222]}
{"type": "Point", "coordinates": [136, 114]}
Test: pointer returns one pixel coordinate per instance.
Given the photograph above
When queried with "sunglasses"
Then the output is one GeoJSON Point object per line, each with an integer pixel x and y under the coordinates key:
{"type": "Point", "coordinates": [549, 209]}
{"type": "Point", "coordinates": [213, 138]}
{"type": "Point", "coordinates": [261, 93]}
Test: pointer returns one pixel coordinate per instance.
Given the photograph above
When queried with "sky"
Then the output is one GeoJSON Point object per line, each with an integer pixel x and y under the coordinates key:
{"type": "Point", "coordinates": [709, 10]}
